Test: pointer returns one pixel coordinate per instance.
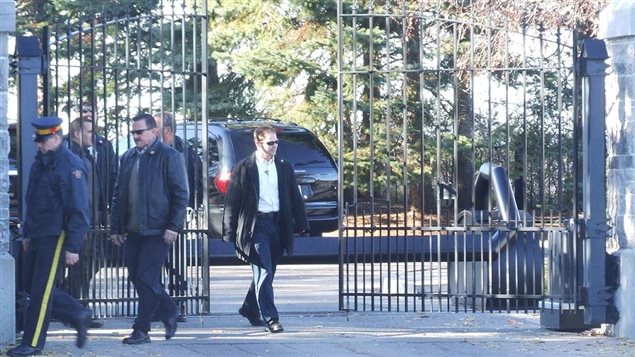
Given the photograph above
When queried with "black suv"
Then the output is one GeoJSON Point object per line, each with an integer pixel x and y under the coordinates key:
{"type": "Point", "coordinates": [315, 170]}
{"type": "Point", "coordinates": [229, 141]}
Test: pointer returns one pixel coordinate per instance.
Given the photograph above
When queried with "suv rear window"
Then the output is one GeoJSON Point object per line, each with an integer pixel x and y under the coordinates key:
{"type": "Point", "coordinates": [300, 148]}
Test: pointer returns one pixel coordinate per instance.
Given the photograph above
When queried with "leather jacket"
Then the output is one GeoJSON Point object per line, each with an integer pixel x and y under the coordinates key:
{"type": "Point", "coordinates": [163, 190]}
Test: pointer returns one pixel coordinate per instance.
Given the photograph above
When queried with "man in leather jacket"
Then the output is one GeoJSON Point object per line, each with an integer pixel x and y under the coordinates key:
{"type": "Point", "coordinates": [148, 211]}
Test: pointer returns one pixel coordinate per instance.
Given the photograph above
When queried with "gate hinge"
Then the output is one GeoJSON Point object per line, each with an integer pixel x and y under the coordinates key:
{"type": "Point", "coordinates": [597, 230]}
{"type": "Point", "coordinates": [596, 296]}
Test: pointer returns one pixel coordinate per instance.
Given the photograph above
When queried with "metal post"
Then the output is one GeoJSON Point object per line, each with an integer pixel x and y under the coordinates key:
{"type": "Point", "coordinates": [340, 153]}
{"type": "Point", "coordinates": [29, 64]}
{"type": "Point", "coordinates": [594, 292]}
{"type": "Point", "coordinates": [204, 122]}
{"type": "Point", "coordinates": [594, 298]}
{"type": "Point", "coordinates": [28, 56]}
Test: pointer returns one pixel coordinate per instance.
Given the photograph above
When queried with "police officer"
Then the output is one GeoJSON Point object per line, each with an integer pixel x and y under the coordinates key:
{"type": "Point", "coordinates": [56, 220]}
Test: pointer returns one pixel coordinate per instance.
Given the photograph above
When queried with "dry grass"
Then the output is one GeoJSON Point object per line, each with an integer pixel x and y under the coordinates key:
{"type": "Point", "coordinates": [414, 222]}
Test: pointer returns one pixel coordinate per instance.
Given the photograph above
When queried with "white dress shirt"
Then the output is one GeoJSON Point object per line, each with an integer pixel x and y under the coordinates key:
{"type": "Point", "coordinates": [268, 179]}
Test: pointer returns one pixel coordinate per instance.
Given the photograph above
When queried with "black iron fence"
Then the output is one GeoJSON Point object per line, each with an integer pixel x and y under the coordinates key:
{"type": "Point", "coordinates": [106, 68]}
{"type": "Point", "coordinates": [391, 264]}
{"type": "Point", "coordinates": [458, 155]}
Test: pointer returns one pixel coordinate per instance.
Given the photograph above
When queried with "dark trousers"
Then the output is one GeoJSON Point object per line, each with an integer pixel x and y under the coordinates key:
{"type": "Point", "coordinates": [145, 256]}
{"type": "Point", "coordinates": [176, 268]}
{"type": "Point", "coordinates": [43, 264]}
{"type": "Point", "coordinates": [92, 259]}
{"type": "Point", "coordinates": [178, 261]}
{"type": "Point", "coordinates": [265, 256]}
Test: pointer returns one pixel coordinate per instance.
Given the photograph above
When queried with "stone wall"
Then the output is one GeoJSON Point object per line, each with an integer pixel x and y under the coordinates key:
{"type": "Point", "coordinates": [7, 264]}
{"type": "Point", "coordinates": [617, 28]}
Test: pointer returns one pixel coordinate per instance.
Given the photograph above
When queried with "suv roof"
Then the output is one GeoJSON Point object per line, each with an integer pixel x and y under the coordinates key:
{"type": "Point", "coordinates": [299, 145]}
{"type": "Point", "coordinates": [255, 122]}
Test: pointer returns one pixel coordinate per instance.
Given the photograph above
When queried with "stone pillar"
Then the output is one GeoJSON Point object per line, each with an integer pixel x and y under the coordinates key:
{"type": "Point", "coordinates": [617, 28]}
{"type": "Point", "coordinates": [7, 264]}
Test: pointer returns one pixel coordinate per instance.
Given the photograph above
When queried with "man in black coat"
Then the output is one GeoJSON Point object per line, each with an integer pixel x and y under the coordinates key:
{"type": "Point", "coordinates": [263, 208]}
{"type": "Point", "coordinates": [79, 141]}
{"type": "Point", "coordinates": [193, 163]}
{"type": "Point", "coordinates": [176, 265]}
{"type": "Point", "coordinates": [105, 164]}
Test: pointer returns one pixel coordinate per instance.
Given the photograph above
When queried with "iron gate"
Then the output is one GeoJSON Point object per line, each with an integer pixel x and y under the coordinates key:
{"type": "Point", "coordinates": [118, 65]}
{"type": "Point", "coordinates": [458, 152]}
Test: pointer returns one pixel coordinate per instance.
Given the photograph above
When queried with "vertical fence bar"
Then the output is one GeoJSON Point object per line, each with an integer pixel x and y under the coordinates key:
{"type": "Point", "coordinates": [342, 232]}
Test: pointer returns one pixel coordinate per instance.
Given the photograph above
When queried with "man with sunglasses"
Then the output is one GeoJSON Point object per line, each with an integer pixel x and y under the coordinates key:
{"type": "Point", "coordinates": [148, 212]}
{"type": "Point", "coordinates": [263, 209]}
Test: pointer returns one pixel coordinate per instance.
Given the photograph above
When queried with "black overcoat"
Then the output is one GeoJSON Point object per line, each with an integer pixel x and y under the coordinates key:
{"type": "Point", "coordinates": [241, 205]}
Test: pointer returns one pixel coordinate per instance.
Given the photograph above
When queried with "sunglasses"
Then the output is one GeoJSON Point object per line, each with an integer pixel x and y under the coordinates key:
{"type": "Point", "coordinates": [272, 143]}
{"type": "Point", "coordinates": [139, 132]}
{"type": "Point", "coordinates": [85, 111]}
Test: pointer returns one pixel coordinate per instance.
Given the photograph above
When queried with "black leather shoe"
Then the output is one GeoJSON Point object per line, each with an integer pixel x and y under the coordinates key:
{"type": "Point", "coordinates": [181, 318]}
{"type": "Point", "coordinates": [170, 327]}
{"type": "Point", "coordinates": [137, 337]}
{"type": "Point", "coordinates": [253, 320]}
{"type": "Point", "coordinates": [82, 324]}
{"type": "Point", "coordinates": [23, 350]}
{"type": "Point", "coordinates": [273, 326]}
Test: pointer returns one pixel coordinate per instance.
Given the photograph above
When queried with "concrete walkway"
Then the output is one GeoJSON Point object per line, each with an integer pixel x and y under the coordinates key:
{"type": "Point", "coordinates": [353, 334]}
{"type": "Point", "coordinates": [307, 300]}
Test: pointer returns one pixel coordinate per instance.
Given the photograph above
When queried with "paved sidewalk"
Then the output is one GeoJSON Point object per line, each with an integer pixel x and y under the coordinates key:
{"type": "Point", "coordinates": [307, 298]}
{"type": "Point", "coordinates": [353, 334]}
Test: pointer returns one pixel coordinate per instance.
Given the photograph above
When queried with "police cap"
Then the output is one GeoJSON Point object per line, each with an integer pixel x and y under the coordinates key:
{"type": "Point", "coordinates": [45, 127]}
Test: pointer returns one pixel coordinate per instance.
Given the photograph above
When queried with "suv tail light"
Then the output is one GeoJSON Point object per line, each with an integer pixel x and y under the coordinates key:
{"type": "Point", "coordinates": [222, 181]}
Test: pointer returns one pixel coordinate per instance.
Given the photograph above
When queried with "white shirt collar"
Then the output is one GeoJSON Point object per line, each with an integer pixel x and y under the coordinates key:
{"type": "Point", "coordinates": [260, 160]}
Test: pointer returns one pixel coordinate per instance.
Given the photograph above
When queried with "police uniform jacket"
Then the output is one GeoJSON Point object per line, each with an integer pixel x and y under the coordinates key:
{"type": "Point", "coordinates": [241, 206]}
{"type": "Point", "coordinates": [163, 190]}
{"type": "Point", "coordinates": [57, 198]}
